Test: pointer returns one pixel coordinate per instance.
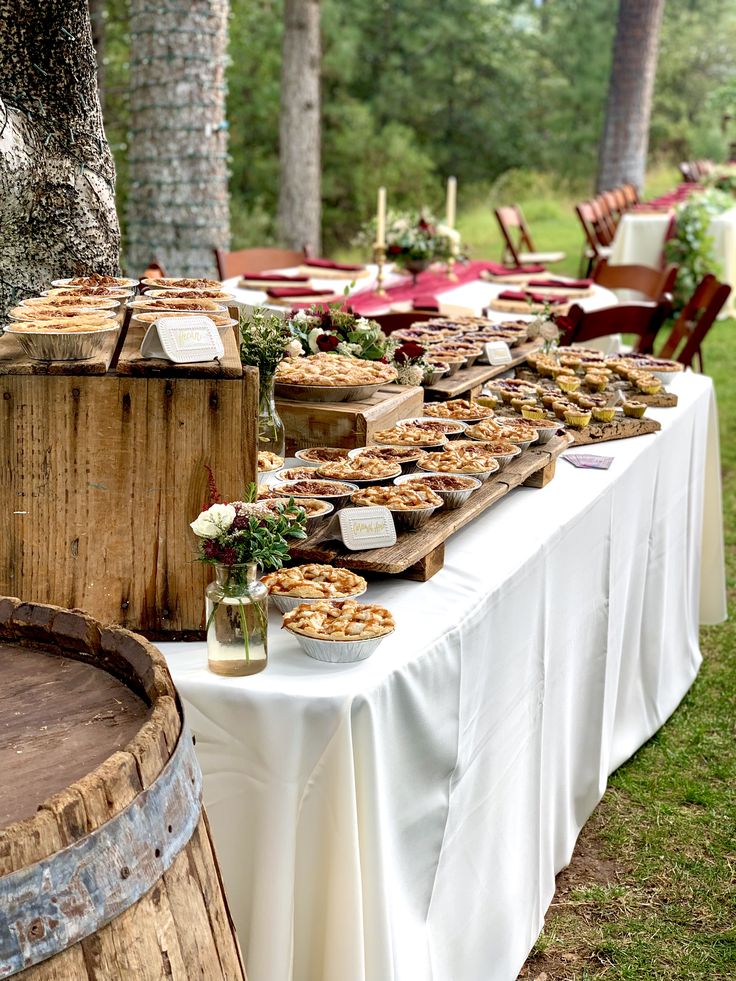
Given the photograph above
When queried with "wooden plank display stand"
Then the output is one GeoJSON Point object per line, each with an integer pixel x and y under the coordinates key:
{"type": "Point", "coordinates": [347, 424]}
{"type": "Point", "coordinates": [100, 475]}
{"type": "Point", "coordinates": [107, 868]}
{"type": "Point", "coordinates": [419, 554]}
{"type": "Point", "coordinates": [468, 382]}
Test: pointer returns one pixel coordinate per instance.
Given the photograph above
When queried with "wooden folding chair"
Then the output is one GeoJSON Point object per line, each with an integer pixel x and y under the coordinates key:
{"type": "Point", "coordinates": [651, 283]}
{"type": "Point", "coordinates": [153, 271]}
{"type": "Point", "coordinates": [641, 319]}
{"type": "Point", "coordinates": [604, 221]}
{"type": "Point", "coordinates": [256, 260]}
{"type": "Point", "coordinates": [512, 224]}
{"type": "Point", "coordinates": [612, 202]}
{"type": "Point", "coordinates": [695, 320]}
{"type": "Point", "coordinates": [631, 194]}
{"type": "Point", "coordinates": [594, 250]}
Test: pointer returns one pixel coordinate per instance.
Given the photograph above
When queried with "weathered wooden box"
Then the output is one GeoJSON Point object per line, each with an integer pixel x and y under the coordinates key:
{"type": "Point", "coordinates": [101, 471]}
{"type": "Point", "coordinates": [347, 424]}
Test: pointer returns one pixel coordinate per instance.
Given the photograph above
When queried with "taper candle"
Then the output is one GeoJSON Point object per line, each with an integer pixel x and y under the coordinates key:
{"type": "Point", "coordinates": [451, 200]}
{"type": "Point", "coordinates": [381, 218]}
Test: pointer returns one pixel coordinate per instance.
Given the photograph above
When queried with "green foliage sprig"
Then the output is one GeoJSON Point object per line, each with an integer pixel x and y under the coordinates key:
{"type": "Point", "coordinates": [263, 341]}
{"type": "Point", "coordinates": [691, 247]}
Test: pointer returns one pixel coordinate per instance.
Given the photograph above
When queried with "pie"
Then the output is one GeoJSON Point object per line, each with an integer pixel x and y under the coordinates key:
{"type": "Point", "coordinates": [78, 314]}
{"type": "Point", "coordinates": [341, 620]}
{"type": "Point", "coordinates": [297, 473]}
{"type": "Point", "coordinates": [269, 461]}
{"type": "Point", "coordinates": [357, 469]}
{"type": "Point", "coordinates": [407, 434]}
{"type": "Point", "coordinates": [98, 280]}
{"type": "Point", "coordinates": [211, 294]}
{"type": "Point", "coordinates": [442, 427]}
{"type": "Point", "coordinates": [323, 454]}
{"type": "Point", "coordinates": [445, 482]}
{"type": "Point", "coordinates": [459, 461]}
{"type": "Point", "coordinates": [421, 336]}
{"type": "Point", "coordinates": [314, 581]}
{"type": "Point", "coordinates": [457, 409]}
{"type": "Point", "coordinates": [505, 428]}
{"type": "Point", "coordinates": [315, 488]}
{"type": "Point", "coordinates": [333, 370]}
{"type": "Point", "coordinates": [68, 326]}
{"type": "Point", "coordinates": [117, 292]}
{"type": "Point", "coordinates": [176, 303]}
{"type": "Point", "coordinates": [218, 319]}
{"type": "Point", "coordinates": [495, 446]}
{"type": "Point", "coordinates": [405, 454]}
{"type": "Point", "coordinates": [187, 284]}
{"type": "Point", "coordinates": [62, 302]}
{"type": "Point", "coordinates": [311, 507]}
{"type": "Point", "coordinates": [457, 347]}
{"type": "Point", "coordinates": [401, 497]}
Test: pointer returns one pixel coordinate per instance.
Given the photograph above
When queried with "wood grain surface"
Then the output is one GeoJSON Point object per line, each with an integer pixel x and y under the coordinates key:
{"type": "Point", "coordinates": [14, 361]}
{"type": "Point", "coordinates": [132, 363]}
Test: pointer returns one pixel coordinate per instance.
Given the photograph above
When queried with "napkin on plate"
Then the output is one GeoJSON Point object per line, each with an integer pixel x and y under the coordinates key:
{"type": "Point", "coordinates": [534, 297]}
{"type": "Point", "coordinates": [329, 264]}
{"type": "Point", "coordinates": [497, 269]}
{"type": "Point", "coordinates": [570, 284]}
{"type": "Point", "coordinates": [279, 292]}
{"type": "Point", "coordinates": [275, 277]}
{"type": "Point", "coordinates": [426, 301]}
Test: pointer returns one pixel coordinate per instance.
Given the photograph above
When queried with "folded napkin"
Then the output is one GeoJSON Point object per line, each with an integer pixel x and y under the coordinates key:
{"type": "Point", "coordinates": [497, 269]}
{"type": "Point", "coordinates": [278, 292]}
{"type": "Point", "coordinates": [570, 284]}
{"type": "Point", "coordinates": [529, 295]}
{"type": "Point", "coordinates": [275, 277]}
{"type": "Point", "coordinates": [426, 302]}
{"type": "Point", "coordinates": [329, 264]}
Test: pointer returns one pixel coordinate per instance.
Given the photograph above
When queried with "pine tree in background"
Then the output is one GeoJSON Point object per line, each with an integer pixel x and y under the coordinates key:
{"type": "Point", "coordinates": [623, 151]}
{"type": "Point", "coordinates": [299, 128]}
{"type": "Point", "coordinates": [57, 177]}
{"type": "Point", "coordinates": [177, 206]}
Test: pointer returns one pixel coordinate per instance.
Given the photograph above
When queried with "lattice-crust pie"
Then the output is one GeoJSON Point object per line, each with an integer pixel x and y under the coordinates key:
{"type": "Point", "coordinates": [359, 469]}
{"type": "Point", "coordinates": [407, 434]}
{"type": "Point", "coordinates": [458, 409]}
{"type": "Point", "coordinates": [459, 461]}
{"type": "Point", "coordinates": [346, 620]}
{"type": "Point", "coordinates": [333, 370]}
{"type": "Point", "coordinates": [404, 497]}
{"type": "Point", "coordinates": [314, 581]}
{"type": "Point", "coordinates": [504, 427]}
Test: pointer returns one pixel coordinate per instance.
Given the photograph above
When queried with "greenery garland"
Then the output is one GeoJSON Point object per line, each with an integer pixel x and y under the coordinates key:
{"type": "Point", "coordinates": [691, 246]}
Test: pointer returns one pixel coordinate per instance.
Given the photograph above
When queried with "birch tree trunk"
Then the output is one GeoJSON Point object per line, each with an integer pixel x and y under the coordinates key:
{"type": "Point", "coordinates": [177, 156]}
{"type": "Point", "coordinates": [57, 176]}
{"type": "Point", "coordinates": [623, 150]}
{"type": "Point", "coordinates": [300, 206]}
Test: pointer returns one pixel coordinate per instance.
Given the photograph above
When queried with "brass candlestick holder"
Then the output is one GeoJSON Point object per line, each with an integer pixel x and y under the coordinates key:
{"type": "Point", "coordinates": [379, 257]}
{"type": "Point", "coordinates": [451, 274]}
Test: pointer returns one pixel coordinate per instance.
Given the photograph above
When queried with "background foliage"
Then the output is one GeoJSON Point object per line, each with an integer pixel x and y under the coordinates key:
{"type": "Point", "coordinates": [508, 95]}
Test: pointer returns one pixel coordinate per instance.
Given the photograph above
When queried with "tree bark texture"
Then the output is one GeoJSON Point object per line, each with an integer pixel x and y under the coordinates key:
{"type": "Point", "coordinates": [300, 206]}
{"type": "Point", "coordinates": [177, 157]}
{"type": "Point", "coordinates": [97, 19]}
{"type": "Point", "coordinates": [57, 176]}
{"type": "Point", "coordinates": [623, 150]}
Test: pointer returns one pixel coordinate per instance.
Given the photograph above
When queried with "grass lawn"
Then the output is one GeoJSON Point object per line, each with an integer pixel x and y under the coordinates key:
{"type": "Point", "coordinates": [651, 891]}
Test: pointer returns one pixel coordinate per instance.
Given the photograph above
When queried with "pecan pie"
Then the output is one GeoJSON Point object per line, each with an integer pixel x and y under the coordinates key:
{"type": "Point", "coordinates": [442, 426]}
{"type": "Point", "coordinates": [176, 303]}
{"type": "Point", "coordinates": [116, 292]}
{"type": "Point", "coordinates": [314, 581]}
{"type": "Point", "coordinates": [61, 302]}
{"type": "Point", "coordinates": [210, 294]}
{"type": "Point", "coordinates": [403, 454]}
{"type": "Point", "coordinates": [98, 280]}
{"type": "Point", "coordinates": [188, 284]}
{"type": "Point", "coordinates": [323, 454]}
{"type": "Point", "coordinates": [407, 434]}
{"type": "Point", "coordinates": [402, 497]}
{"type": "Point", "coordinates": [269, 461]}
{"type": "Point", "coordinates": [445, 482]}
{"type": "Point", "coordinates": [333, 370]}
{"type": "Point", "coordinates": [297, 473]}
{"type": "Point", "coordinates": [458, 409]}
{"type": "Point", "coordinates": [315, 488]}
{"type": "Point", "coordinates": [68, 326]}
{"type": "Point", "coordinates": [356, 469]}
{"type": "Point", "coordinates": [341, 620]}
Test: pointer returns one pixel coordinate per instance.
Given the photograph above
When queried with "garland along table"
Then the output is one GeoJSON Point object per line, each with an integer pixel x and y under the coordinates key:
{"type": "Point", "coordinates": [403, 817]}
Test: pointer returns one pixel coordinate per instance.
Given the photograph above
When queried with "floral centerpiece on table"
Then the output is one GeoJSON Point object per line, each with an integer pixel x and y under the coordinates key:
{"type": "Point", "coordinates": [238, 538]}
{"type": "Point", "coordinates": [415, 239]}
{"type": "Point", "coordinates": [338, 329]}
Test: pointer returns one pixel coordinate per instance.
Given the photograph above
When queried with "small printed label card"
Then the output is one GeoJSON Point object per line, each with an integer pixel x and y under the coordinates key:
{"type": "Point", "coordinates": [497, 352]}
{"type": "Point", "coordinates": [588, 461]}
{"type": "Point", "coordinates": [361, 528]}
{"type": "Point", "coordinates": [183, 340]}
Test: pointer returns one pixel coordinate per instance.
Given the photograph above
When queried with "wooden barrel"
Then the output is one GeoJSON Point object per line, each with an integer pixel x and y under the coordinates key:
{"type": "Point", "coordinates": [107, 869]}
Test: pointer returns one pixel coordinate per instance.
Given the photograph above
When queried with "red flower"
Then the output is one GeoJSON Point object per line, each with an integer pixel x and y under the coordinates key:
{"type": "Point", "coordinates": [327, 342]}
{"type": "Point", "coordinates": [565, 324]}
{"type": "Point", "coordinates": [394, 249]}
{"type": "Point", "coordinates": [409, 351]}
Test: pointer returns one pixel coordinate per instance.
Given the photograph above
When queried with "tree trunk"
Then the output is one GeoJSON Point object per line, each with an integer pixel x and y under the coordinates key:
{"type": "Point", "coordinates": [57, 176]}
{"type": "Point", "coordinates": [623, 150]}
{"type": "Point", "coordinates": [177, 157]}
{"type": "Point", "coordinates": [97, 18]}
{"type": "Point", "coordinates": [300, 206]}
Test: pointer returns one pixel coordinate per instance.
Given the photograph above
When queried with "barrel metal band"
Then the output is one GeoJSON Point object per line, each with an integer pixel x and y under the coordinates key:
{"type": "Point", "coordinates": [55, 903]}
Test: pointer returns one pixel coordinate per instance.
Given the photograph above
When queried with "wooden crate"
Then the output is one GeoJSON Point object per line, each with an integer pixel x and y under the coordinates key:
{"type": "Point", "coordinates": [347, 424]}
{"type": "Point", "coordinates": [100, 475]}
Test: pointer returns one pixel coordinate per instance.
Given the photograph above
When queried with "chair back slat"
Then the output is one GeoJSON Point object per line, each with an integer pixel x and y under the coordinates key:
{"type": "Point", "coordinates": [651, 283]}
{"type": "Point", "coordinates": [508, 220]}
{"type": "Point", "coordinates": [695, 320]}
{"type": "Point", "coordinates": [642, 319]}
{"type": "Point", "coordinates": [231, 264]}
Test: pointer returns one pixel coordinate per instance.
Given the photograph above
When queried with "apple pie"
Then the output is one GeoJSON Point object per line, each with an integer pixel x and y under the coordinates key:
{"type": "Point", "coordinates": [458, 409]}
{"type": "Point", "coordinates": [401, 497]}
{"type": "Point", "coordinates": [314, 581]}
{"type": "Point", "coordinates": [359, 469]}
{"type": "Point", "coordinates": [340, 620]}
{"type": "Point", "coordinates": [333, 370]}
{"type": "Point", "coordinates": [462, 460]}
{"type": "Point", "coordinates": [407, 434]}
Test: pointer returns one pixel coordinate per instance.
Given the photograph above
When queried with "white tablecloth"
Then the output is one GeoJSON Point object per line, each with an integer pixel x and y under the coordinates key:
{"type": "Point", "coordinates": [640, 238]}
{"type": "Point", "coordinates": [402, 818]}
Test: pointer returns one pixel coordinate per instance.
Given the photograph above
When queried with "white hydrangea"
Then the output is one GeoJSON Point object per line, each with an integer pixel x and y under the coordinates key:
{"type": "Point", "coordinates": [294, 349]}
{"type": "Point", "coordinates": [409, 374]}
{"type": "Point", "coordinates": [362, 324]}
{"type": "Point", "coordinates": [214, 521]}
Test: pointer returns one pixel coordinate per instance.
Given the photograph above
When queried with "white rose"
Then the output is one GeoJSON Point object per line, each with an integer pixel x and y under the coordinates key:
{"type": "Point", "coordinates": [301, 317]}
{"type": "Point", "coordinates": [312, 339]}
{"type": "Point", "coordinates": [294, 349]}
{"type": "Point", "coordinates": [214, 521]}
{"type": "Point", "coordinates": [362, 323]}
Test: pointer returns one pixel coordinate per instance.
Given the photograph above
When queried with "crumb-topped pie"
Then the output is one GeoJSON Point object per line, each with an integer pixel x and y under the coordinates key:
{"type": "Point", "coordinates": [333, 370]}
{"type": "Point", "coordinates": [340, 620]}
{"type": "Point", "coordinates": [186, 284]}
{"type": "Point", "coordinates": [210, 294]}
{"type": "Point", "coordinates": [269, 461]}
{"type": "Point", "coordinates": [407, 434]}
{"type": "Point", "coordinates": [360, 469]}
{"type": "Point", "coordinates": [117, 292]}
{"type": "Point", "coordinates": [457, 409]}
{"type": "Point", "coordinates": [315, 581]}
{"type": "Point", "coordinates": [399, 497]}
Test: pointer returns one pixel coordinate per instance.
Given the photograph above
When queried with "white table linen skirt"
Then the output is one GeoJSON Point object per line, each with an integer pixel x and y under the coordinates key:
{"type": "Point", "coordinates": [403, 818]}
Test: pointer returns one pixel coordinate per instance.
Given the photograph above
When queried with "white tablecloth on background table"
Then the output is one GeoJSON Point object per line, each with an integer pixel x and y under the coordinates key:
{"type": "Point", "coordinates": [640, 239]}
{"type": "Point", "coordinates": [403, 818]}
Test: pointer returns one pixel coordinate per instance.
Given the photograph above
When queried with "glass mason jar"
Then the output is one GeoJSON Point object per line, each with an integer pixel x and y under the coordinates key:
{"type": "Point", "coordinates": [271, 432]}
{"type": "Point", "coordinates": [237, 621]}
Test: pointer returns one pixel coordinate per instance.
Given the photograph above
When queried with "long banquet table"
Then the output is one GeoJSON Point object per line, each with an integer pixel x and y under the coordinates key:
{"type": "Point", "coordinates": [404, 817]}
